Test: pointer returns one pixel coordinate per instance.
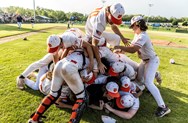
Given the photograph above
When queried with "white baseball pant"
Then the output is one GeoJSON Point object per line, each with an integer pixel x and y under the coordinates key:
{"type": "Point", "coordinates": [66, 71]}
{"type": "Point", "coordinates": [35, 85]}
{"type": "Point", "coordinates": [147, 70]}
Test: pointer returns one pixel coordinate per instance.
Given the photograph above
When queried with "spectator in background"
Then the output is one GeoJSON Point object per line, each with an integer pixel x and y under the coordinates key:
{"type": "Point", "coordinates": [32, 22]}
{"type": "Point", "coordinates": [68, 25]}
{"type": "Point", "coordinates": [19, 20]}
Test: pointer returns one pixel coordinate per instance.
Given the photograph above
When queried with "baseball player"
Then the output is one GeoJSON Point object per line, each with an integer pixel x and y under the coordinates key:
{"type": "Point", "coordinates": [66, 70]}
{"type": "Point", "coordinates": [19, 19]}
{"type": "Point", "coordinates": [105, 52]}
{"type": "Point", "coordinates": [96, 24]}
{"type": "Point", "coordinates": [119, 57]}
{"type": "Point", "coordinates": [53, 48]}
{"type": "Point", "coordinates": [150, 61]}
{"type": "Point", "coordinates": [126, 106]}
{"type": "Point", "coordinates": [45, 82]}
{"type": "Point", "coordinates": [99, 94]}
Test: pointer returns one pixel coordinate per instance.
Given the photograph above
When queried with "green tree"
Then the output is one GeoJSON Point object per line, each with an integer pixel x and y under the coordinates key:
{"type": "Point", "coordinates": [175, 22]}
{"type": "Point", "coordinates": [185, 23]}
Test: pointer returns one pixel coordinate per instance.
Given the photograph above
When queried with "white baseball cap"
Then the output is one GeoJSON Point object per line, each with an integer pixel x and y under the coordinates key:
{"type": "Point", "coordinates": [107, 119]}
{"type": "Point", "coordinates": [125, 84]}
{"type": "Point", "coordinates": [117, 11]}
{"type": "Point", "coordinates": [53, 43]}
{"type": "Point", "coordinates": [125, 101]}
{"type": "Point", "coordinates": [116, 68]}
{"type": "Point", "coordinates": [102, 42]}
{"type": "Point", "coordinates": [135, 19]}
{"type": "Point", "coordinates": [91, 76]}
{"type": "Point", "coordinates": [112, 89]}
{"type": "Point", "coordinates": [68, 39]}
{"type": "Point", "coordinates": [130, 72]}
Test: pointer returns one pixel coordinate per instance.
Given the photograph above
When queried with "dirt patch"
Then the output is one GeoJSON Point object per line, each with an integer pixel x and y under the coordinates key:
{"type": "Point", "coordinates": [167, 43]}
{"type": "Point", "coordinates": [14, 37]}
{"type": "Point", "coordinates": [18, 36]}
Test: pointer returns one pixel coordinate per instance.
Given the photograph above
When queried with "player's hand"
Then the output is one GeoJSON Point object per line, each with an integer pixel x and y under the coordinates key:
{"type": "Point", "coordinates": [59, 105]}
{"type": "Point", "coordinates": [126, 41]}
{"type": "Point", "coordinates": [102, 68]}
{"type": "Point", "coordinates": [117, 47]}
{"type": "Point", "coordinates": [85, 79]}
{"type": "Point", "coordinates": [101, 104]}
{"type": "Point", "coordinates": [90, 67]}
{"type": "Point", "coordinates": [74, 47]}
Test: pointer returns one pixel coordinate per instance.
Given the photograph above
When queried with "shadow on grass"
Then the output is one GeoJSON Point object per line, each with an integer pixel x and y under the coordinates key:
{"type": "Point", "coordinates": [179, 64]}
{"type": "Point", "coordinates": [33, 92]}
{"type": "Point", "coordinates": [176, 101]}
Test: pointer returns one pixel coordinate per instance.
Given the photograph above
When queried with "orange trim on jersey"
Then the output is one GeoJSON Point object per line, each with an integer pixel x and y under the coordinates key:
{"type": "Point", "coordinates": [72, 30]}
{"type": "Point", "coordinates": [95, 12]}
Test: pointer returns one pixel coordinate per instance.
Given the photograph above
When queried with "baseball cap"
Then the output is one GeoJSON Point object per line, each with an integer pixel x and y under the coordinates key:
{"type": "Point", "coordinates": [112, 89]}
{"type": "Point", "coordinates": [91, 76]}
{"type": "Point", "coordinates": [102, 42]}
{"type": "Point", "coordinates": [116, 68]}
{"type": "Point", "coordinates": [53, 43]}
{"type": "Point", "coordinates": [125, 84]}
{"type": "Point", "coordinates": [68, 39]}
{"type": "Point", "coordinates": [117, 11]}
{"type": "Point", "coordinates": [135, 19]}
{"type": "Point", "coordinates": [125, 101]}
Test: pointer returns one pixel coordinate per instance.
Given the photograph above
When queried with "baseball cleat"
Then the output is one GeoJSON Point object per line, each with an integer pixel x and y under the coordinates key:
{"type": "Point", "coordinates": [32, 121]}
{"type": "Point", "coordinates": [158, 77]}
{"type": "Point", "coordinates": [162, 111]}
{"type": "Point", "coordinates": [20, 83]}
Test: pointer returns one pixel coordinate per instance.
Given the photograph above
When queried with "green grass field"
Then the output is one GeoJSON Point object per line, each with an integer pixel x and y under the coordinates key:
{"type": "Point", "coordinates": [16, 106]}
{"type": "Point", "coordinates": [12, 29]}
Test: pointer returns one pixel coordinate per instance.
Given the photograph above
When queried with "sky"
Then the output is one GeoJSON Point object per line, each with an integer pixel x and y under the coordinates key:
{"type": "Point", "coordinates": [164, 8]}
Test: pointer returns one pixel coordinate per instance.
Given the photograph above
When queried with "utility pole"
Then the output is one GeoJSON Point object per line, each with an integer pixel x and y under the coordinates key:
{"type": "Point", "coordinates": [103, 2]}
{"type": "Point", "coordinates": [150, 5]}
{"type": "Point", "coordinates": [34, 8]}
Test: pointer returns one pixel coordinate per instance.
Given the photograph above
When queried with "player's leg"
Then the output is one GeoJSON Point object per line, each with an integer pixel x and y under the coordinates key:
{"type": "Point", "coordinates": [73, 80]}
{"type": "Point", "coordinates": [41, 72]}
{"type": "Point", "coordinates": [55, 92]}
{"type": "Point", "coordinates": [126, 59]}
{"type": "Point", "coordinates": [111, 38]}
{"type": "Point", "coordinates": [35, 85]}
{"type": "Point", "coordinates": [140, 72]}
{"type": "Point", "coordinates": [150, 70]}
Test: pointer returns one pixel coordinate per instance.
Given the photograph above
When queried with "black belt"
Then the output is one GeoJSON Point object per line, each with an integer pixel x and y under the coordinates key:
{"type": "Point", "coordinates": [147, 59]}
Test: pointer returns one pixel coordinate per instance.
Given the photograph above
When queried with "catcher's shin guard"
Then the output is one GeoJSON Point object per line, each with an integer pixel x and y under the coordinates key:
{"type": "Point", "coordinates": [46, 103]}
{"type": "Point", "coordinates": [77, 111]}
{"type": "Point", "coordinates": [79, 107]}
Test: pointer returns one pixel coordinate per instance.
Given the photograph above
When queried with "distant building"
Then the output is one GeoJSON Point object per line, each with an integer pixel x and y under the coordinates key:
{"type": "Point", "coordinates": [43, 19]}
{"type": "Point", "coordinates": [127, 23]}
{"type": "Point", "coordinates": [156, 24]}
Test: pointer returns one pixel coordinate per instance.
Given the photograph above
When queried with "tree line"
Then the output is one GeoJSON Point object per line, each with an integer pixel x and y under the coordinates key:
{"type": "Point", "coordinates": [59, 15]}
